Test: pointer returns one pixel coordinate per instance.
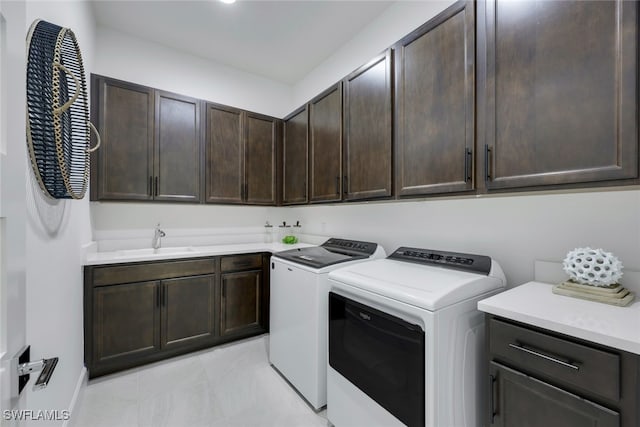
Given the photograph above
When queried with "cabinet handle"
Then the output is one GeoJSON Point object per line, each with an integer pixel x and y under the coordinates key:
{"type": "Point", "coordinates": [492, 399]}
{"type": "Point", "coordinates": [544, 356]}
{"type": "Point", "coordinates": [487, 163]}
{"type": "Point", "coordinates": [344, 184]}
{"type": "Point", "coordinates": [467, 164]}
{"type": "Point", "coordinates": [224, 291]}
{"type": "Point", "coordinates": [150, 186]}
{"type": "Point", "coordinates": [156, 186]}
{"type": "Point", "coordinates": [337, 185]}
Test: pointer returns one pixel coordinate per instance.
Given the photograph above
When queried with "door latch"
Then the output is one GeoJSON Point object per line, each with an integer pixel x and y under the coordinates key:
{"type": "Point", "coordinates": [21, 366]}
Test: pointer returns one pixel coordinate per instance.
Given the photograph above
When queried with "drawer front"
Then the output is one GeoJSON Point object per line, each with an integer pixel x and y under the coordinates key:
{"type": "Point", "coordinates": [240, 262]}
{"type": "Point", "coordinates": [516, 397]}
{"type": "Point", "coordinates": [152, 271]}
{"type": "Point", "coordinates": [585, 367]}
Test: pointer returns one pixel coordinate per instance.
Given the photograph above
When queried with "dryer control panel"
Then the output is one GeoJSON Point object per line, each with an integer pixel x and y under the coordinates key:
{"type": "Point", "coordinates": [457, 261]}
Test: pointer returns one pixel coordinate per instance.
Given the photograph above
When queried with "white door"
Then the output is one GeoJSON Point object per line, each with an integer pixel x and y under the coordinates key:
{"type": "Point", "coordinates": [13, 164]}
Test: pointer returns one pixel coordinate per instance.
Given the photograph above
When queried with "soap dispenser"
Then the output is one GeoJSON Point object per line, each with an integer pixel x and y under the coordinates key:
{"type": "Point", "coordinates": [283, 231]}
{"type": "Point", "coordinates": [296, 231]}
{"type": "Point", "coordinates": [268, 233]}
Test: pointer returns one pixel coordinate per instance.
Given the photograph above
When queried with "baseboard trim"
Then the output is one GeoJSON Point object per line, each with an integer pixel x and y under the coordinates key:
{"type": "Point", "coordinates": [76, 399]}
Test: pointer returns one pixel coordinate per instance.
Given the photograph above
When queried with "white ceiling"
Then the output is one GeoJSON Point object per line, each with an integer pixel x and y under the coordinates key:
{"type": "Point", "coordinates": [280, 40]}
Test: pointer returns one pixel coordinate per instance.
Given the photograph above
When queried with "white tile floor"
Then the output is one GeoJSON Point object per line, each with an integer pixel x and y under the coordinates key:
{"type": "Point", "coordinates": [227, 386]}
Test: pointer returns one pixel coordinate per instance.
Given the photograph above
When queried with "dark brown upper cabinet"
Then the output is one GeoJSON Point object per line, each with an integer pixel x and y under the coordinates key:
{"type": "Point", "coordinates": [224, 154]}
{"type": "Point", "coordinates": [434, 82]}
{"type": "Point", "coordinates": [295, 147]}
{"type": "Point", "coordinates": [325, 146]}
{"type": "Point", "coordinates": [557, 92]}
{"type": "Point", "coordinates": [123, 166]}
{"type": "Point", "coordinates": [150, 143]}
{"type": "Point", "coordinates": [177, 148]}
{"type": "Point", "coordinates": [368, 135]}
{"type": "Point", "coordinates": [261, 148]}
{"type": "Point", "coordinates": [240, 153]}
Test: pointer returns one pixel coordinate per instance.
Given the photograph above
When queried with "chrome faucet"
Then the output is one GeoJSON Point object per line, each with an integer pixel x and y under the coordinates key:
{"type": "Point", "coordinates": [157, 236]}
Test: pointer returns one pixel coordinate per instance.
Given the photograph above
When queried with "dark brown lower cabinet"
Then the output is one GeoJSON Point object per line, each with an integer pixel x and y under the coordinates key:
{"type": "Point", "coordinates": [188, 310]}
{"type": "Point", "coordinates": [540, 378]}
{"type": "Point", "coordinates": [240, 304]}
{"type": "Point", "coordinates": [244, 294]}
{"type": "Point", "coordinates": [138, 313]}
{"type": "Point", "coordinates": [524, 401]}
{"type": "Point", "coordinates": [125, 322]}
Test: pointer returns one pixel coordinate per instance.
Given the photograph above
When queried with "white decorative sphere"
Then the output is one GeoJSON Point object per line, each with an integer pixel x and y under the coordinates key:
{"type": "Point", "coordinates": [592, 267]}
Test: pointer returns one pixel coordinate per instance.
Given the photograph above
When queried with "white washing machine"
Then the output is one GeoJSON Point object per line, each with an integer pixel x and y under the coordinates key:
{"type": "Point", "coordinates": [298, 311]}
{"type": "Point", "coordinates": [406, 340]}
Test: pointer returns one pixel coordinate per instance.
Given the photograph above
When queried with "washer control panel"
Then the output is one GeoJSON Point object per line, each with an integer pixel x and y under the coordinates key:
{"type": "Point", "coordinates": [350, 246]}
{"type": "Point", "coordinates": [458, 261]}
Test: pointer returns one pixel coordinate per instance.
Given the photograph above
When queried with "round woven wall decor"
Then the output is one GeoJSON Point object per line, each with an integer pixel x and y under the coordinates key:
{"type": "Point", "coordinates": [58, 127]}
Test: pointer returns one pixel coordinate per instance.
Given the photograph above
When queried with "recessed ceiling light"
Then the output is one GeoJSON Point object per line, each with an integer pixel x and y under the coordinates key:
{"type": "Point", "coordinates": [228, 1]}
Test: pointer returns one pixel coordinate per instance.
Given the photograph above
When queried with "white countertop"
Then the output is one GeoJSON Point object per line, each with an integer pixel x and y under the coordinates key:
{"type": "Point", "coordinates": [534, 303]}
{"type": "Point", "coordinates": [136, 255]}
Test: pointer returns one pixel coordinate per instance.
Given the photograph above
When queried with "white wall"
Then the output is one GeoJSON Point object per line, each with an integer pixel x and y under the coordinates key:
{"type": "Point", "coordinates": [136, 60]}
{"type": "Point", "coordinates": [514, 229]}
{"type": "Point", "coordinates": [127, 216]}
{"type": "Point", "coordinates": [131, 225]}
{"type": "Point", "coordinates": [55, 233]}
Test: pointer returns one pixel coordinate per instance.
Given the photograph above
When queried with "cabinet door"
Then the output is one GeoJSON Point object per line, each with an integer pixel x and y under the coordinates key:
{"type": "Point", "coordinates": [261, 138]}
{"type": "Point", "coordinates": [560, 93]}
{"type": "Point", "coordinates": [224, 179]}
{"type": "Point", "coordinates": [522, 401]}
{"type": "Point", "coordinates": [295, 143]}
{"type": "Point", "coordinates": [325, 146]}
{"type": "Point", "coordinates": [177, 148]}
{"type": "Point", "coordinates": [188, 312]}
{"type": "Point", "coordinates": [368, 133]}
{"type": "Point", "coordinates": [241, 302]}
{"type": "Point", "coordinates": [435, 104]}
{"type": "Point", "coordinates": [125, 322]}
{"type": "Point", "coordinates": [122, 168]}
